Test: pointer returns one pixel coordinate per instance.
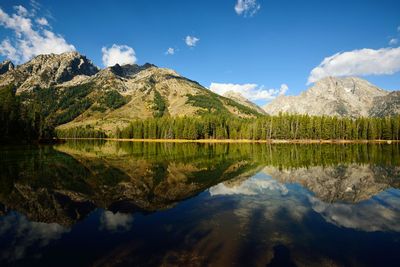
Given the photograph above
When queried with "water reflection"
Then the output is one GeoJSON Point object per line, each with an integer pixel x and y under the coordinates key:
{"type": "Point", "coordinates": [22, 235]}
{"type": "Point", "coordinates": [380, 213]}
{"type": "Point", "coordinates": [116, 221]}
{"type": "Point", "coordinates": [171, 204]}
{"type": "Point", "coordinates": [251, 186]}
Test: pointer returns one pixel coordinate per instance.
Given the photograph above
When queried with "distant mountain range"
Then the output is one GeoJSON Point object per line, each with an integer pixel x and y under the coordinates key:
{"type": "Point", "coordinates": [68, 90]}
{"type": "Point", "coordinates": [344, 97]}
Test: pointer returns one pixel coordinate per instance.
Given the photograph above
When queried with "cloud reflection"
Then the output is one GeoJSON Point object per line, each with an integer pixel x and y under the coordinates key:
{"type": "Point", "coordinates": [115, 222]}
{"type": "Point", "coordinates": [252, 186]}
{"type": "Point", "coordinates": [26, 235]}
{"type": "Point", "coordinates": [376, 214]}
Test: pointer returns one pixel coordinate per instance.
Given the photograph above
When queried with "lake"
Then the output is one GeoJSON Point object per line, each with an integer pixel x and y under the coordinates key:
{"type": "Point", "coordinates": [104, 203]}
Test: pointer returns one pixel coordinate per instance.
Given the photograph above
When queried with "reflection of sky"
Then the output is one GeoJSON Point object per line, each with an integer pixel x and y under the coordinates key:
{"type": "Point", "coordinates": [255, 185]}
{"type": "Point", "coordinates": [380, 213]}
{"type": "Point", "coordinates": [239, 222]}
{"type": "Point", "coordinates": [25, 235]}
{"type": "Point", "coordinates": [116, 221]}
{"type": "Point", "coordinates": [261, 192]}
{"type": "Point", "coordinates": [229, 221]}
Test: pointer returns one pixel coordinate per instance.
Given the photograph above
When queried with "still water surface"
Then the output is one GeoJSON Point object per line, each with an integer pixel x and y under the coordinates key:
{"type": "Point", "coordinates": [87, 203]}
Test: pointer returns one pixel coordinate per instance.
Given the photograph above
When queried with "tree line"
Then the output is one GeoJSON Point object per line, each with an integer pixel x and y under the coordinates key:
{"type": "Point", "coordinates": [284, 155]}
{"type": "Point", "coordinates": [283, 126]}
{"type": "Point", "coordinates": [86, 131]}
{"type": "Point", "coordinates": [37, 114]}
{"type": "Point", "coordinates": [15, 121]}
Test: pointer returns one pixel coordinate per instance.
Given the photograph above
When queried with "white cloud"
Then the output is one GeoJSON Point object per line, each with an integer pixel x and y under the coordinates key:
{"type": "Point", "coordinates": [247, 8]}
{"type": "Point", "coordinates": [6, 48]}
{"type": "Point", "coordinates": [118, 54]}
{"type": "Point", "coordinates": [42, 21]}
{"type": "Point", "coordinates": [30, 40]}
{"type": "Point", "coordinates": [358, 62]}
{"type": "Point", "coordinates": [191, 40]}
{"type": "Point", "coordinates": [393, 41]}
{"type": "Point", "coordinates": [35, 5]}
{"type": "Point", "coordinates": [283, 89]}
{"type": "Point", "coordinates": [21, 11]}
{"type": "Point", "coordinates": [250, 91]}
{"type": "Point", "coordinates": [170, 51]}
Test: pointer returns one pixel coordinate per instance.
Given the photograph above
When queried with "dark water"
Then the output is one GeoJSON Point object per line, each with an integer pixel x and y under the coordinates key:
{"type": "Point", "coordinates": [152, 204]}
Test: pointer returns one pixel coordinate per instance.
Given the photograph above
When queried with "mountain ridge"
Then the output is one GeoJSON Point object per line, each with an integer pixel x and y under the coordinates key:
{"type": "Point", "coordinates": [335, 96]}
{"type": "Point", "coordinates": [238, 97]}
{"type": "Point", "coordinates": [73, 92]}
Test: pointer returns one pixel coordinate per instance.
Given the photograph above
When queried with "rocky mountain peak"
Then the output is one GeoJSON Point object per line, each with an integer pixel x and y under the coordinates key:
{"type": "Point", "coordinates": [117, 70]}
{"type": "Point", "coordinates": [60, 68]}
{"type": "Point", "coordinates": [388, 105]}
{"type": "Point", "coordinates": [49, 70]}
{"type": "Point", "coordinates": [6, 66]}
{"type": "Point", "coordinates": [344, 85]}
{"type": "Point", "coordinates": [127, 70]}
{"type": "Point", "coordinates": [332, 96]}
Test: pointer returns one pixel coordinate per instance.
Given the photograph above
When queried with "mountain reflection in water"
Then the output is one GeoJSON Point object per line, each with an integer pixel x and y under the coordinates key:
{"type": "Point", "coordinates": [167, 204]}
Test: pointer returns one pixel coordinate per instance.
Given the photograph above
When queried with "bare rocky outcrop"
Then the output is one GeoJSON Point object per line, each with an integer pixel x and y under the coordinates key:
{"type": "Point", "coordinates": [6, 66]}
{"type": "Point", "coordinates": [388, 105]}
{"type": "Point", "coordinates": [48, 70]}
{"type": "Point", "coordinates": [334, 96]}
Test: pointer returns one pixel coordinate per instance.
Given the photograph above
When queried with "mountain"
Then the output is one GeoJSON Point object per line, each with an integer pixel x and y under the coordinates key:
{"type": "Point", "coordinates": [387, 105]}
{"type": "Point", "coordinates": [236, 96]}
{"type": "Point", "coordinates": [45, 71]}
{"type": "Point", "coordinates": [6, 66]}
{"type": "Point", "coordinates": [68, 90]}
{"type": "Point", "coordinates": [345, 97]}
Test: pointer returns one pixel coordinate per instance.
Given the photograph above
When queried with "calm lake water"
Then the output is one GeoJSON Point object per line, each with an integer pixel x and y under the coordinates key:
{"type": "Point", "coordinates": [87, 203]}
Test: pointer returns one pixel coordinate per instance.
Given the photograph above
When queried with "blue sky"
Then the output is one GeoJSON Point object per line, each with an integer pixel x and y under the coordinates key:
{"type": "Point", "coordinates": [271, 43]}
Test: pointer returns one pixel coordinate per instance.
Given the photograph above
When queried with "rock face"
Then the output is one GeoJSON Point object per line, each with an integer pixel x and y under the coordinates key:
{"type": "Point", "coordinates": [242, 100]}
{"type": "Point", "coordinates": [387, 105]}
{"type": "Point", "coordinates": [6, 66]}
{"type": "Point", "coordinates": [48, 70]}
{"type": "Point", "coordinates": [346, 97]}
{"type": "Point", "coordinates": [77, 93]}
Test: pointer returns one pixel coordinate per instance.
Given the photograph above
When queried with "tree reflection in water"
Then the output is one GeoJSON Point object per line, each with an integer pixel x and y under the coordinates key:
{"type": "Point", "coordinates": [121, 203]}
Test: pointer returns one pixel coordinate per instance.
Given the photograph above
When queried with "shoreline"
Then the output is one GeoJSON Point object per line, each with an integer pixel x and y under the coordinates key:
{"type": "Point", "coordinates": [271, 141]}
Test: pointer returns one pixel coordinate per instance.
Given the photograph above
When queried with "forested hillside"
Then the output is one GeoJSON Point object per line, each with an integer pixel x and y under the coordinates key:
{"type": "Point", "coordinates": [283, 126]}
{"type": "Point", "coordinates": [68, 91]}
